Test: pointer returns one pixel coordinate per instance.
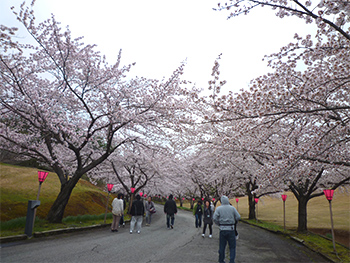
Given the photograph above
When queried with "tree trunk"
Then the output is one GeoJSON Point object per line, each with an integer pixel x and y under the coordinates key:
{"type": "Point", "coordinates": [250, 187]}
{"type": "Point", "coordinates": [251, 203]}
{"type": "Point", "coordinates": [132, 198]}
{"type": "Point", "coordinates": [302, 214]}
{"type": "Point", "coordinates": [56, 212]}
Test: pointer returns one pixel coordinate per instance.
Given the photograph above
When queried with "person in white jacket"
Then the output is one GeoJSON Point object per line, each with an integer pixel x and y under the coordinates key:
{"type": "Point", "coordinates": [226, 216]}
{"type": "Point", "coordinates": [117, 211]}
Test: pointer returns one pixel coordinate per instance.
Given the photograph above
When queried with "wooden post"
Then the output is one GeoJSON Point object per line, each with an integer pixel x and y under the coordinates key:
{"type": "Point", "coordinates": [332, 229]}
{"type": "Point", "coordinates": [284, 216]}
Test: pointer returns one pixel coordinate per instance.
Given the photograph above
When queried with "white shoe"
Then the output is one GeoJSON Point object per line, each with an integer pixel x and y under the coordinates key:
{"type": "Point", "coordinates": [237, 237]}
{"type": "Point", "coordinates": [130, 232]}
{"type": "Point", "coordinates": [138, 232]}
{"type": "Point", "coordinates": [203, 235]}
{"type": "Point", "coordinates": [210, 236]}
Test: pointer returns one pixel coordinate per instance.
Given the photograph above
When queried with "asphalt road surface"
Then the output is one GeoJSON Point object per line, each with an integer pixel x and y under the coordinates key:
{"type": "Point", "coordinates": [156, 243]}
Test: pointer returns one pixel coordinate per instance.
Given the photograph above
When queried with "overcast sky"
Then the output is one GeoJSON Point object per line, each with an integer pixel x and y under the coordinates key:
{"type": "Point", "coordinates": [159, 34]}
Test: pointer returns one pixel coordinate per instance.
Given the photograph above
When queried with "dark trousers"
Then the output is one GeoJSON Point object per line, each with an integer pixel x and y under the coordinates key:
{"type": "Point", "coordinates": [121, 222]}
{"type": "Point", "coordinates": [210, 228]}
{"type": "Point", "coordinates": [170, 220]}
{"type": "Point", "coordinates": [198, 221]}
{"type": "Point", "coordinates": [227, 236]}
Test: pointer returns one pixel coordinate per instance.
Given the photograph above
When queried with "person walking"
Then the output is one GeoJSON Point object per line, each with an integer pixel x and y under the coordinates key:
{"type": "Point", "coordinates": [137, 211]}
{"type": "Point", "coordinates": [117, 211]}
{"type": "Point", "coordinates": [170, 209]}
{"type": "Point", "coordinates": [121, 221]}
{"type": "Point", "coordinates": [226, 217]}
{"type": "Point", "coordinates": [198, 213]}
{"type": "Point", "coordinates": [208, 218]}
{"type": "Point", "coordinates": [150, 209]}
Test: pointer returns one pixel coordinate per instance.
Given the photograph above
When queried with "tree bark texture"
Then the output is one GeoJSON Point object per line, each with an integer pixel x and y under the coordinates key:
{"type": "Point", "coordinates": [302, 213]}
{"type": "Point", "coordinates": [56, 212]}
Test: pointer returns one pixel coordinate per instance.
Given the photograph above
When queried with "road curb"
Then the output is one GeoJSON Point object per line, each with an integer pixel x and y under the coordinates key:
{"type": "Point", "coordinates": [10, 239]}
{"type": "Point", "coordinates": [54, 232]}
{"type": "Point", "coordinates": [67, 230]}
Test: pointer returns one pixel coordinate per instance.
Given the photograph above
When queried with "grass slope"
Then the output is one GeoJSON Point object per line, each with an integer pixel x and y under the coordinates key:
{"type": "Point", "coordinates": [20, 184]}
{"type": "Point", "coordinates": [318, 214]}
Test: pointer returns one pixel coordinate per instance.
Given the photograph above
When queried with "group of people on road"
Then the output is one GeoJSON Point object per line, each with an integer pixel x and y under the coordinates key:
{"type": "Point", "coordinates": [225, 216]}
{"type": "Point", "coordinates": [137, 210]}
{"type": "Point", "coordinates": [206, 213]}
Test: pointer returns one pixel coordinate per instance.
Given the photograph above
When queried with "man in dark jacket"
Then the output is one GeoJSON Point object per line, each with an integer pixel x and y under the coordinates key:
{"type": "Point", "coordinates": [170, 209]}
{"type": "Point", "coordinates": [137, 211]}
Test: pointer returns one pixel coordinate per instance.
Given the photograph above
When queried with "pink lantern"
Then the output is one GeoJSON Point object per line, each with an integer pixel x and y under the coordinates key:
{"type": "Point", "coordinates": [145, 195]}
{"type": "Point", "coordinates": [183, 198]}
{"type": "Point", "coordinates": [256, 200]}
{"type": "Point", "coordinates": [284, 197]}
{"type": "Point", "coordinates": [42, 176]}
{"type": "Point", "coordinates": [213, 199]}
{"type": "Point", "coordinates": [329, 194]}
{"type": "Point", "coordinates": [192, 199]}
{"type": "Point", "coordinates": [237, 199]}
{"type": "Point", "coordinates": [202, 198]}
{"type": "Point", "coordinates": [132, 190]}
{"type": "Point", "coordinates": [109, 187]}
{"type": "Point", "coordinates": [141, 194]}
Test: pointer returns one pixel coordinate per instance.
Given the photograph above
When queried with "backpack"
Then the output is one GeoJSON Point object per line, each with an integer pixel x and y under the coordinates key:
{"type": "Point", "coordinates": [199, 209]}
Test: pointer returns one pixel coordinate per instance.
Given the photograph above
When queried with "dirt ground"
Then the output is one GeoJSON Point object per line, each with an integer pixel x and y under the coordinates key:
{"type": "Point", "coordinates": [341, 236]}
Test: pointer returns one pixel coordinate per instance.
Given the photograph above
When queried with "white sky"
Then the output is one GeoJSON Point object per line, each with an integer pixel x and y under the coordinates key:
{"type": "Point", "coordinates": [159, 34]}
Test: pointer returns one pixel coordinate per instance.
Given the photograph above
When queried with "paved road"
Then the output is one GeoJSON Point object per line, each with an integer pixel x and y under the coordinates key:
{"type": "Point", "coordinates": [156, 244]}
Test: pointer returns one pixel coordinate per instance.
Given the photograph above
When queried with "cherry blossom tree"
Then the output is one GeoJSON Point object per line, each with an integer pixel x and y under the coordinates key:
{"type": "Point", "coordinates": [332, 14]}
{"type": "Point", "coordinates": [63, 105]}
{"type": "Point", "coordinates": [135, 165]}
{"type": "Point", "coordinates": [302, 107]}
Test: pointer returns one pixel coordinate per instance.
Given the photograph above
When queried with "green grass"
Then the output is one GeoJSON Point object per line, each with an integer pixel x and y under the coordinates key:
{"type": "Point", "coordinates": [17, 226]}
{"type": "Point", "coordinates": [20, 184]}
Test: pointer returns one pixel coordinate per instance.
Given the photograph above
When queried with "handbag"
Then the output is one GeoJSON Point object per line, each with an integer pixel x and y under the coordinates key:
{"type": "Point", "coordinates": [152, 210]}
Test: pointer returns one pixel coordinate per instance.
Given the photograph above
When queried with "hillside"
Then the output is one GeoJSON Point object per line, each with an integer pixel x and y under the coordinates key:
{"type": "Point", "coordinates": [20, 184]}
